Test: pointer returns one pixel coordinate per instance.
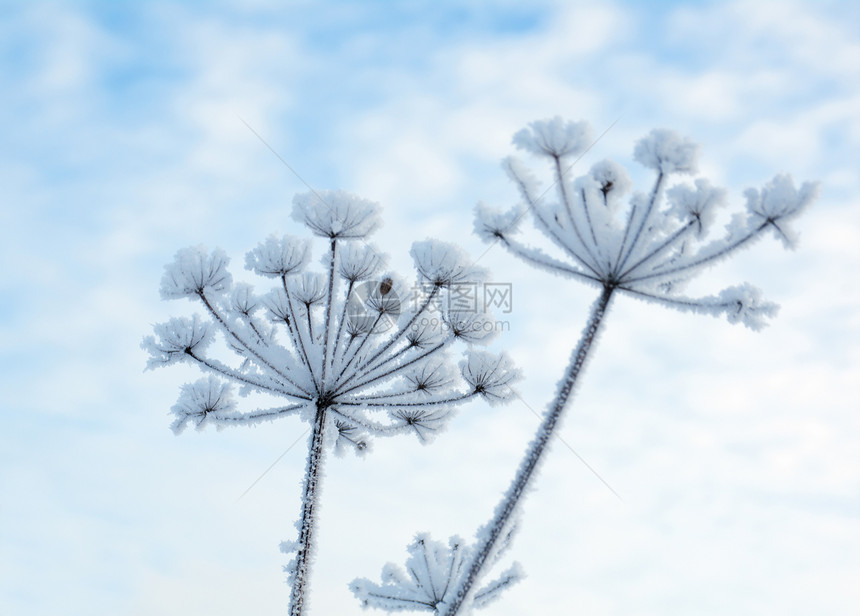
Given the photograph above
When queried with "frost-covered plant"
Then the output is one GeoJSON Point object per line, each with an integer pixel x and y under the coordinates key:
{"type": "Point", "coordinates": [351, 350]}
{"type": "Point", "coordinates": [433, 569]}
{"type": "Point", "coordinates": [647, 250]}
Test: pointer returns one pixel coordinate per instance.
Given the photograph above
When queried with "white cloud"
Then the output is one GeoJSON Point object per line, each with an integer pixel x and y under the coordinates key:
{"type": "Point", "coordinates": [735, 453]}
{"type": "Point", "coordinates": [802, 35]}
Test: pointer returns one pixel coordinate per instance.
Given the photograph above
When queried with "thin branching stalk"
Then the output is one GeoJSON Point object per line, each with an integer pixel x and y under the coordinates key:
{"type": "Point", "coordinates": [398, 369]}
{"type": "Point", "coordinates": [403, 330]}
{"type": "Point", "coordinates": [652, 201]}
{"type": "Point", "coordinates": [341, 321]}
{"type": "Point", "coordinates": [328, 312]}
{"type": "Point", "coordinates": [508, 506]}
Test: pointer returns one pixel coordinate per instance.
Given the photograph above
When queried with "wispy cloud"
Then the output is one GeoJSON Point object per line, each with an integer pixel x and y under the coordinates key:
{"type": "Point", "coordinates": [121, 144]}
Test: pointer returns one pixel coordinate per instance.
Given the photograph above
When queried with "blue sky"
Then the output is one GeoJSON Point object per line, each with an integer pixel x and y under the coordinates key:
{"type": "Point", "coordinates": [736, 453]}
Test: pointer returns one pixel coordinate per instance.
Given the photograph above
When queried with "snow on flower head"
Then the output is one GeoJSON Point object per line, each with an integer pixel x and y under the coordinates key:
{"type": "Point", "coordinates": [613, 179]}
{"type": "Point", "coordinates": [175, 339]}
{"type": "Point", "coordinates": [779, 202]}
{"type": "Point", "coordinates": [426, 423]}
{"type": "Point", "coordinates": [745, 304]}
{"type": "Point", "coordinates": [667, 152]}
{"type": "Point", "coordinates": [555, 138]}
{"type": "Point", "coordinates": [198, 400]}
{"type": "Point", "coordinates": [277, 304]}
{"type": "Point", "coordinates": [430, 377]}
{"type": "Point", "coordinates": [471, 326]}
{"type": "Point", "coordinates": [353, 351]}
{"type": "Point", "coordinates": [442, 264]}
{"type": "Point", "coordinates": [349, 438]}
{"type": "Point", "coordinates": [336, 214]}
{"type": "Point", "coordinates": [699, 204]}
{"type": "Point", "coordinates": [383, 297]}
{"type": "Point", "coordinates": [490, 375]}
{"type": "Point", "coordinates": [425, 334]}
{"type": "Point", "coordinates": [242, 301]}
{"type": "Point", "coordinates": [360, 262]}
{"type": "Point", "coordinates": [492, 223]}
{"type": "Point", "coordinates": [434, 569]}
{"type": "Point", "coordinates": [194, 271]}
{"type": "Point", "coordinates": [661, 241]}
{"type": "Point", "coordinates": [309, 288]}
{"type": "Point", "coordinates": [278, 257]}
{"type": "Point", "coordinates": [371, 354]}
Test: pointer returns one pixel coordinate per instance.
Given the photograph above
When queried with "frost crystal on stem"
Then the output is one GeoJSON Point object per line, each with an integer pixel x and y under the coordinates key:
{"type": "Point", "coordinates": [649, 251]}
{"type": "Point", "coordinates": [351, 350]}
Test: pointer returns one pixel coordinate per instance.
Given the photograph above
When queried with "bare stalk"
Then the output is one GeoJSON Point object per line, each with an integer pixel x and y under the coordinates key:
{"type": "Point", "coordinates": [508, 505]}
{"type": "Point", "coordinates": [328, 313]}
{"type": "Point", "coordinates": [301, 570]}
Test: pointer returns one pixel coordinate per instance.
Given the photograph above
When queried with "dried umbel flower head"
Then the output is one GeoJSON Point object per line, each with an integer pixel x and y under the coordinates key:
{"type": "Point", "coordinates": [555, 138]}
{"type": "Point", "coordinates": [648, 251]}
{"type": "Point", "coordinates": [433, 570]}
{"type": "Point", "coordinates": [663, 239]}
{"type": "Point", "coordinates": [344, 349]}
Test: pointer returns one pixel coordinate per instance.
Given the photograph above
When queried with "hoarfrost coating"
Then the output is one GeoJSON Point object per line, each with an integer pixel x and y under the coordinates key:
{"type": "Point", "coordinates": [433, 570]}
{"type": "Point", "coordinates": [648, 251]}
{"type": "Point", "coordinates": [662, 240]}
{"type": "Point", "coordinates": [346, 349]}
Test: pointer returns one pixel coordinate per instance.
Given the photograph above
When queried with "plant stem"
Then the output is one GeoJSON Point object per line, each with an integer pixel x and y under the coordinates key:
{"type": "Point", "coordinates": [508, 505]}
{"type": "Point", "coordinates": [301, 571]}
{"type": "Point", "coordinates": [328, 313]}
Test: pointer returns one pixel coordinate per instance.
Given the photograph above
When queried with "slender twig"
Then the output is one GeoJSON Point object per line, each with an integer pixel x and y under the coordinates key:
{"type": "Point", "coordinates": [218, 368]}
{"type": "Point", "coordinates": [396, 369]}
{"type": "Point", "coordinates": [544, 224]}
{"type": "Point", "coordinates": [545, 261]}
{"type": "Point", "coordinates": [340, 323]}
{"type": "Point", "coordinates": [669, 241]}
{"type": "Point", "coordinates": [509, 503]}
{"type": "Point", "coordinates": [658, 184]}
{"type": "Point", "coordinates": [246, 345]}
{"type": "Point", "coordinates": [701, 261]}
{"type": "Point", "coordinates": [400, 405]}
{"type": "Point", "coordinates": [402, 330]}
{"type": "Point", "coordinates": [299, 338]}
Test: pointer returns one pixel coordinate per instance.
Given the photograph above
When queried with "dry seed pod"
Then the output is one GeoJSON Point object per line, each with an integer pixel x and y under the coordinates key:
{"type": "Point", "coordinates": [385, 286]}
